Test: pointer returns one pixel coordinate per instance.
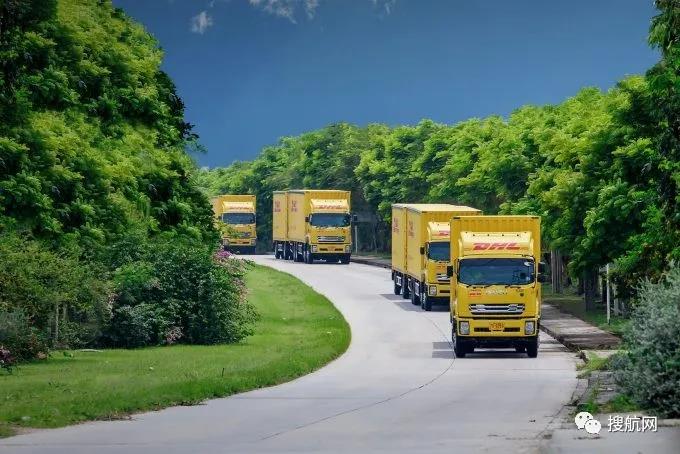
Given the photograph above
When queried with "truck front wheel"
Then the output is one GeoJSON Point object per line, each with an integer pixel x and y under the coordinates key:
{"type": "Point", "coordinates": [460, 347]}
{"type": "Point", "coordinates": [532, 348]}
{"type": "Point", "coordinates": [345, 259]}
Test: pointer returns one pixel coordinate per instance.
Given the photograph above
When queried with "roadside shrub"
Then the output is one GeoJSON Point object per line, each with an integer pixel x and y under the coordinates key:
{"type": "Point", "coordinates": [45, 286]}
{"type": "Point", "coordinates": [650, 372]}
{"type": "Point", "coordinates": [178, 291]}
{"type": "Point", "coordinates": [20, 340]}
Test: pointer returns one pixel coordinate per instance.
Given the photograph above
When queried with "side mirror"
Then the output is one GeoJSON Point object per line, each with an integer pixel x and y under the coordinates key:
{"type": "Point", "coordinates": [422, 250]}
{"type": "Point", "coordinates": [355, 218]}
{"type": "Point", "coordinates": [541, 267]}
{"type": "Point", "coordinates": [542, 278]}
{"type": "Point", "coordinates": [306, 218]}
{"type": "Point", "coordinates": [449, 271]}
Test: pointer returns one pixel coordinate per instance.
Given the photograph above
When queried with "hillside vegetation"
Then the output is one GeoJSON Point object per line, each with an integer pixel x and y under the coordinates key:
{"type": "Point", "coordinates": [105, 238]}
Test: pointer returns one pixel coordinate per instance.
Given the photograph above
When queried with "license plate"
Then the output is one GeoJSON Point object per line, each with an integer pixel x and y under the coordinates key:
{"type": "Point", "coordinates": [496, 326]}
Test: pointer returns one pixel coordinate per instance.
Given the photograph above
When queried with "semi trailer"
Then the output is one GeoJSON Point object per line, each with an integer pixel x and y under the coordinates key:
{"type": "Point", "coordinates": [236, 218]}
{"type": "Point", "coordinates": [311, 224]}
{"type": "Point", "coordinates": [420, 251]}
{"type": "Point", "coordinates": [496, 277]}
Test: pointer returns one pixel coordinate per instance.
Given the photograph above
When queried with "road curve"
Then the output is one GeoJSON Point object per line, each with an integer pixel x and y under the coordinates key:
{"type": "Point", "coordinates": [397, 389]}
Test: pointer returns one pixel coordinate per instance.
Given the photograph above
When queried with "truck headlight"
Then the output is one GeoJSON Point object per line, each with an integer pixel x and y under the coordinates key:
{"type": "Point", "coordinates": [432, 290]}
{"type": "Point", "coordinates": [348, 248]}
{"type": "Point", "coordinates": [464, 327]}
{"type": "Point", "coordinates": [529, 327]}
{"type": "Point", "coordinates": [315, 247]}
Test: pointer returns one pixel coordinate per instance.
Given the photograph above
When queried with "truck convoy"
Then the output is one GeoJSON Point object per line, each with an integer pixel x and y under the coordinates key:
{"type": "Point", "coordinates": [311, 224]}
{"type": "Point", "coordinates": [495, 283]}
{"type": "Point", "coordinates": [235, 215]}
{"type": "Point", "coordinates": [421, 250]}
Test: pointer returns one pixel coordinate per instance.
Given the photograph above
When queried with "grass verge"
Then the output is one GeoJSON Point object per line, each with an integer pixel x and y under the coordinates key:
{"type": "Point", "coordinates": [298, 332]}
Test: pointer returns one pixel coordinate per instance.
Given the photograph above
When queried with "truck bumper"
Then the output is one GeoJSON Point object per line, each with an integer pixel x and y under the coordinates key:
{"type": "Point", "coordinates": [239, 244]}
{"type": "Point", "coordinates": [498, 332]}
{"type": "Point", "coordinates": [321, 250]}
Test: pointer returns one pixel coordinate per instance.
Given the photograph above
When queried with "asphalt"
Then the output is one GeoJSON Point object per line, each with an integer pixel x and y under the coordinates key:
{"type": "Point", "coordinates": [398, 388]}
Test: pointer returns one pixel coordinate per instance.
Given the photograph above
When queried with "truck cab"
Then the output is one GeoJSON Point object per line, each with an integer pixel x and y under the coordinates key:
{"type": "Point", "coordinates": [236, 219]}
{"type": "Point", "coordinates": [437, 256]}
{"type": "Point", "coordinates": [495, 283]}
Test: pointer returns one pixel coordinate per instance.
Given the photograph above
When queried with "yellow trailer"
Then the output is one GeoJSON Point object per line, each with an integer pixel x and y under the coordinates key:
{"type": "Point", "coordinates": [236, 216]}
{"type": "Point", "coordinates": [317, 225]}
{"type": "Point", "coordinates": [280, 222]}
{"type": "Point", "coordinates": [420, 250]}
{"type": "Point", "coordinates": [496, 277]}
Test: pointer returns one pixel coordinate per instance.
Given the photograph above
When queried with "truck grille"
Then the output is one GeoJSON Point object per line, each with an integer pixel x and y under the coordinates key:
{"type": "Point", "coordinates": [331, 239]}
{"type": "Point", "coordinates": [242, 235]}
{"type": "Point", "coordinates": [443, 278]}
{"type": "Point", "coordinates": [484, 309]}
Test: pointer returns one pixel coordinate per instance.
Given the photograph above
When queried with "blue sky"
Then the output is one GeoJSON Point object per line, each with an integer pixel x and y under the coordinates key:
{"type": "Point", "coordinates": [252, 71]}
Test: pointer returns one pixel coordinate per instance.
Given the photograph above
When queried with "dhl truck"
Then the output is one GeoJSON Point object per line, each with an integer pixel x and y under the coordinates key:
{"type": "Point", "coordinates": [421, 251]}
{"type": "Point", "coordinates": [311, 224]}
{"type": "Point", "coordinates": [496, 280]}
{"type": "Point", "coordinates": [236, 216]}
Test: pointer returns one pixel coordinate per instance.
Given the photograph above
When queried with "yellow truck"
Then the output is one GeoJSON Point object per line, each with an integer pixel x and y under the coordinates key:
{"type": "Point", "coordinates": [496, 277]}
{"type": "Point", "coordinates": [311, 224]}
{"type": "Point", "coordinates": [421, 252]}
{"type": "Point", "coordinates": [236, 215]}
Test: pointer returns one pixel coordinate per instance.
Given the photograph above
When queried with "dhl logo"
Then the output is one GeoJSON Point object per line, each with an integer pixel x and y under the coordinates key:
{"type": "Point", "coordinates": [495, 246]}
{"type": "Point", "coordinates": [293, 205]}
{"type": "Point", "coordinates": [411, 232]}
{"type": "Point", "coordinates": [395, 225]}
{"type": "Point", "coordinates": [329, 206]}
{"type": "Point", "coordinates": [277, 206]}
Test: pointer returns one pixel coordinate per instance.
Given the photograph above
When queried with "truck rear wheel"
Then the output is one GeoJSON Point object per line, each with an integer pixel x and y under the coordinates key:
{"type": "Point", "coordinates": [405, 291]}
{"type": "Point", "coordinates": [415, 300]}
{"type": "Point", "coordinates": [397, 288]}
{"type": "Point", "coordinates": [532, 348]}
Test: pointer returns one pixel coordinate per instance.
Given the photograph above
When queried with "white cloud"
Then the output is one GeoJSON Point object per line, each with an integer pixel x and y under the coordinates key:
{"type": "Point", "coordinates": [200, 22]}
{"type": "Point", "coordinates": [280, 8]}
{"type": "Point", "coordinates": [288, 8]}
{"type": "Point", "coordinates": [385, 5]}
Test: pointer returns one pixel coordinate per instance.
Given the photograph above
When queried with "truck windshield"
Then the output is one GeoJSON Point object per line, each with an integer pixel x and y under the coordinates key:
{"type": "Point", "coordinates": [330, 219]}
{"type": "Point", "coordinates": [496, 271]}
{"type": "Point", "coordinates": [440, 251]}
{"type": "Point", "coordinates": [238, 218]}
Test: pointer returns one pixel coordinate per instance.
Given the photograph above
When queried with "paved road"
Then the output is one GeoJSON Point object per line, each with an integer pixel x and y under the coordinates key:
{"type": "Point", "coordinates": [397, 389]}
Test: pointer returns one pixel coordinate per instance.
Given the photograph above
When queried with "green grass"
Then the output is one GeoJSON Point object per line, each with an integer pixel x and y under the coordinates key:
{"type": "Point", "coordinates": [576, 306]}
{"type": "Point", "coordinates": [593, 364]}
{"type": "Point", "coordinates": [299, 331]}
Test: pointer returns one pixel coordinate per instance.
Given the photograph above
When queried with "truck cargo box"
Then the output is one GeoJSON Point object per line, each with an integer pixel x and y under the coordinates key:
{"type": "Point", "coordinates": [280, 216]}
{"type": "Point", "coordinates": [423, 222]}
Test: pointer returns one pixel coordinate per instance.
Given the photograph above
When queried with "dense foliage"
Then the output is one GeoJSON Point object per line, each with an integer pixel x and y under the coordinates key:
{"type": "Point", "coordinates": [650, 371]}
{"type": "Point", "coordinates": [601, 169]}
{"type": "Point", "coordinates": [93, 159]}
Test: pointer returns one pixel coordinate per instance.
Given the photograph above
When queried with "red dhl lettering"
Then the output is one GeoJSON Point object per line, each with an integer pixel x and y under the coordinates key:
{"type": "Point", "coordinates": [293, 205]}
{"type": "Point", "coordinates": [395, 225]}
{"type": "Point", "coordinates": [410, 229]}
{"type": "Point", "coordinates": [277, 206]}
{"type": "Point", "coordinates": [495, 246]}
